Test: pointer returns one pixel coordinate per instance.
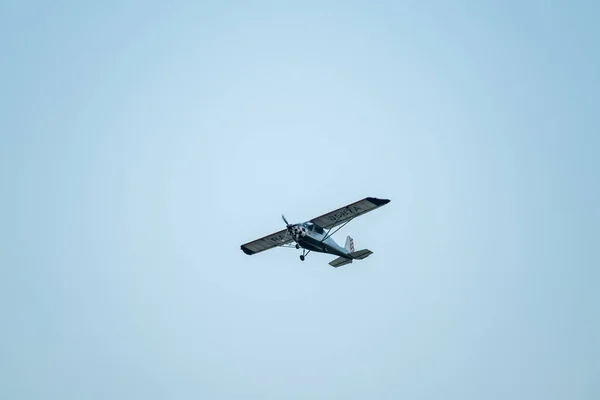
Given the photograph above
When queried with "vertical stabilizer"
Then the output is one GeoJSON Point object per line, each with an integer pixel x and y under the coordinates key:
{"type": "Point", "coordinates": [349, 244]}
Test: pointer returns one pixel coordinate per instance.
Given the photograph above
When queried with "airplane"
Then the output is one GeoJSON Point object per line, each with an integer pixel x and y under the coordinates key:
{"type": "Point", "coordinates": [315, 235]}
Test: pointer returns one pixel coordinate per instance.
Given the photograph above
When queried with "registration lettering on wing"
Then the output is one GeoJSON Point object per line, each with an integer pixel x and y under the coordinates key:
{"type": "Point", "coordinates": [346, 212]}
{"type": "Point", "coordinates": [277, 239]}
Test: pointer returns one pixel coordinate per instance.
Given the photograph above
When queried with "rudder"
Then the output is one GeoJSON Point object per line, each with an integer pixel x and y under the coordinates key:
{"type": "Point", "coordinates": [349, 244]}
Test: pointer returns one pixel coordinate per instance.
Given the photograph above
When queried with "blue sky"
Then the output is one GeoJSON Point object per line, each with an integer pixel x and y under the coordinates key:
{"type": "Point", "coordinates": [143, 142]}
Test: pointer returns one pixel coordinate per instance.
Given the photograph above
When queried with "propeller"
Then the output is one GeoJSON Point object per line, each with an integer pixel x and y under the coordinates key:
{"type": "Point", "coordinates": [295, 230]}
{"type": "Point", "coordinates": [288, 226]}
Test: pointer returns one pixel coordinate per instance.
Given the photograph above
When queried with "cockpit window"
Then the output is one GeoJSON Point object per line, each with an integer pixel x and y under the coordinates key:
{"type": "Point", "coordinates": [313, 227]}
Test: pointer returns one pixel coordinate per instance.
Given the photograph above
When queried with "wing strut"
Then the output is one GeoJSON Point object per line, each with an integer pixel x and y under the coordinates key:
{"type": "Point", "coordinates": [328, 235]}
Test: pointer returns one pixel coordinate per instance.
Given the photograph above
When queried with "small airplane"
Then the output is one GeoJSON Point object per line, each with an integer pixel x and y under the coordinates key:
{"type": "Point", "coordinates": [315, 235]}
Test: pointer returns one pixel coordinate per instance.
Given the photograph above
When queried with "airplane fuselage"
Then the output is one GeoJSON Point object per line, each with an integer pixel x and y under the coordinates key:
{"type": "Point", "coordinates": [312, 237]}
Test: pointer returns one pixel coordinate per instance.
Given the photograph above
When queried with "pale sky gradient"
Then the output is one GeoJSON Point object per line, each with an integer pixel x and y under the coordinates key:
{"type": "Point", "coordinates": [143, 142]}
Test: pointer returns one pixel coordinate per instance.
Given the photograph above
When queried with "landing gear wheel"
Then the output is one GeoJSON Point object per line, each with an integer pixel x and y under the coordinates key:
{"type": "Point", "coordinates": [297, 246]}
{"type": "Point", "coordinates": [301, 258]}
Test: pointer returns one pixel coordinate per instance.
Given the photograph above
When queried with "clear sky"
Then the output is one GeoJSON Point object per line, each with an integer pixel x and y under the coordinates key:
{"type": "Point", "coordinates": [143, 142]}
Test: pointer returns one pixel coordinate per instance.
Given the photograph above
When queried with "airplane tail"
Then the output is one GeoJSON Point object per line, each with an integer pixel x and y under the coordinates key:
{"type": "Point", "coordinates": [352, 255]}
{"type": "Point", "coordinates": [349, 244]}
{"type": "Point", "coordinates": [358, 255]}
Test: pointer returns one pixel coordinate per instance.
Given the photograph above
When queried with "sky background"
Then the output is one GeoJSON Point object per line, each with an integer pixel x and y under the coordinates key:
{"type": "Point", "coordinates": [143, 142]}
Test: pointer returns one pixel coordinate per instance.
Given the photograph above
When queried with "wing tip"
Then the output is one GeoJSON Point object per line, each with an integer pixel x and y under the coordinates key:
{"type": "Point", "coordinates": [246, 250]}
{"type": "Point", "coordinates": [378, 202]}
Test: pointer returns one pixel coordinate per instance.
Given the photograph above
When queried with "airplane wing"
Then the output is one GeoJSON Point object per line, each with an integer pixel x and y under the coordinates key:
{"type": "Point", "coordinates": [351, 211]}
{"type": "Point", "coordinates": [268, 242]}
{"type": "Point", "coordinates": [325, 221]}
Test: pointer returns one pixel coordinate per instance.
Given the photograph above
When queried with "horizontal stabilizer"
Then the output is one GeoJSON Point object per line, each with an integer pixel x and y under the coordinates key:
{"type": "Point", "coordinates": [338, 262]}
{"type": "Point", "coordinates": [361, 254]}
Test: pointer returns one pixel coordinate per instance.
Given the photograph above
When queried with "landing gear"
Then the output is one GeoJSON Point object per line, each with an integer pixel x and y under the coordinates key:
{"type": "Point", "coordinates": [297, 246]}
{"type": "Point", "coordinates": [304, 254]}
